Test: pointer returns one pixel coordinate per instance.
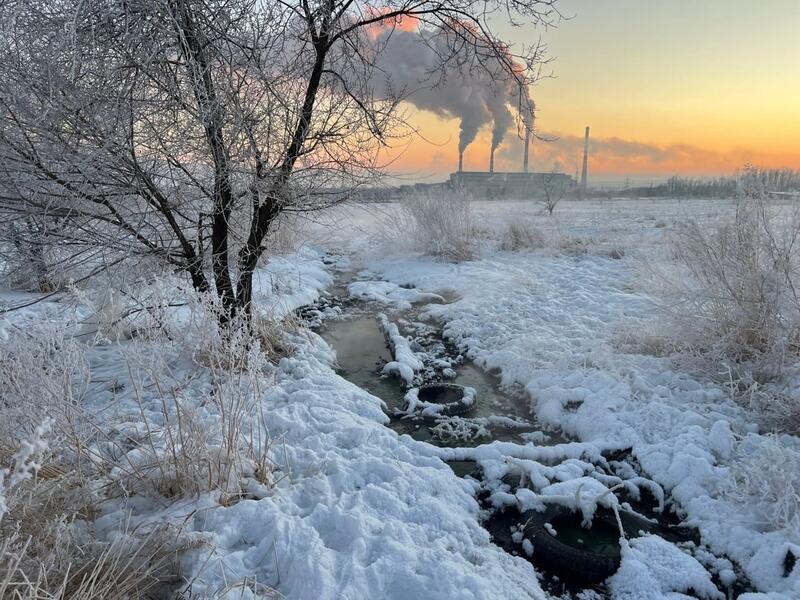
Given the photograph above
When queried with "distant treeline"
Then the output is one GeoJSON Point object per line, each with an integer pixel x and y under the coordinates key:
{"type": "Point", "coordinates": [768, 180]}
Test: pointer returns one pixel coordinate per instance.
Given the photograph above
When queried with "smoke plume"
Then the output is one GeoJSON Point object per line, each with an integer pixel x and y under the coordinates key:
{"type": "Point", "coordinates": [409, 65]}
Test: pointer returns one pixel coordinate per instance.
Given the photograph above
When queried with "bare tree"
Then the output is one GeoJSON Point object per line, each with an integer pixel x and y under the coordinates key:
{"type": "Point", "coordinates": [184, 128]}
{"type": "Point", "coordinates": [554, 188]}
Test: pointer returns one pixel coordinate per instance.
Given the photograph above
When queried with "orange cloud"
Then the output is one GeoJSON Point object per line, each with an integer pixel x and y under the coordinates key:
{"type": "Point", "coordinates": [406, 23]}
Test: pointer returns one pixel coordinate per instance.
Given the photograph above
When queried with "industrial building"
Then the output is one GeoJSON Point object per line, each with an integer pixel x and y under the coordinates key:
{"type": "Point", "coordinates": [493, 185]}
{"type": "Point", "coordinates": [522, 184]}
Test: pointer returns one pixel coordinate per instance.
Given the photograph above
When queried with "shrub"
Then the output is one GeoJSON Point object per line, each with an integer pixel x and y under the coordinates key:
{"type": "Point", "coordinates": [521, 236]}
{"type": "Point", "coordinates": [742, 302]}
{"type": "Point", "coordinates": [731, 305]}
{"type": "Point", "coordinates": [441, 224]}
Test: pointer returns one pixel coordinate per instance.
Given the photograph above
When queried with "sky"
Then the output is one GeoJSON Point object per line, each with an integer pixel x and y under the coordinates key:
{"type": "Point", "coordinates": [690, 87]}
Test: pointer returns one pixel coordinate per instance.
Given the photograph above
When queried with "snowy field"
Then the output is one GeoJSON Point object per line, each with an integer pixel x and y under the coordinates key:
{"type": "Point", "coordinates": [352, 511]}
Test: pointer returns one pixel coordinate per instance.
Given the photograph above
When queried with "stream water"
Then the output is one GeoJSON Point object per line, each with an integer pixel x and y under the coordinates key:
{"type": "Point", "coordinates": [500, 414]}
{"type": "Point", "coordinates": [361, 351]}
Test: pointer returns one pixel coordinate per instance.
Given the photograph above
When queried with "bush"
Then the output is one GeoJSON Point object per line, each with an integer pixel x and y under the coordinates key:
{"type": "Point", "coordinates": [743, 305]}
{"type": "Point", "coordinates": [522, 236]}
{"type": "Point", "coordinates": [731, 307]}
{"type": "Point", "coordinates": [441, 224]}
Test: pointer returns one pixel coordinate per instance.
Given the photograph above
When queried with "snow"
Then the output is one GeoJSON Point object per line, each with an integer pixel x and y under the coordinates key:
{"type": "Point", "coordinates": [655, 569]}
{"type": "Point", "coordinates": [365, 514]}
{"type": "Point", "coordinates": [582, 494]}
{"type": "Point", "coordinates": [356, 511]}
{"type": "Point", "coordinates": [548, 321]}
{"type": "Point", "coordinates": [289, 282]}
{"type": "Point", "coordinates": [391, 294]}
{"type": "Point", "coordinates": [406, 363]}
{"type": "Point", "coordinates": [433, 409]}
{"type": "Point", "coordinates": [361, 512]}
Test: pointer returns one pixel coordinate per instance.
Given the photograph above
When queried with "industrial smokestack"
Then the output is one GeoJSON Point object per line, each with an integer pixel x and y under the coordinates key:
{"type": "Point", "coordinates": [585, 172]}
{"type": "Point", "coordinates": [525, 156]}
{"type": "Point", "coordinates": [491, 161]}
{"type": "Point", "coordinates": [460, 162]}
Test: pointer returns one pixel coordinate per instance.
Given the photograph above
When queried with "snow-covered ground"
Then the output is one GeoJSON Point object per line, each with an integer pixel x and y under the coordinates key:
{"type": "Point", "coordinates": [356, 511]}
{"type": "Point", "coordinates": [549, 319]}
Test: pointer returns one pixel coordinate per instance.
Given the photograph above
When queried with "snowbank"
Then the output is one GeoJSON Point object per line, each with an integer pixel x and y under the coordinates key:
{"type": "Point", "coordinates": [363, 513]}
{"type": "Point", "coordinates": [289, 282]}
{"type": "Point", "coordinates": [653, 568]}
{"type": "Point", "coordinates": [406, 363]}
{"type": "Point", "coordinates": [391, 294]}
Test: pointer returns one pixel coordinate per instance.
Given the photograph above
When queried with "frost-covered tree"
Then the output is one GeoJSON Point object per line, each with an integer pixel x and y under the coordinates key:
{"type": "Point", "coordinates": [184, 128]}
{"type": "Point", "coordinates": [554, 188]}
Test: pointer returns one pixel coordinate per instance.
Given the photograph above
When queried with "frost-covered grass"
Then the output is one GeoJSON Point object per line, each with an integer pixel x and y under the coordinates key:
{"type": "Point", "coordinates": [49, 546]}
{"type": "Point", "coordinates": [733, 305]}
{"type": "Point", "coordinates": [147, 403]}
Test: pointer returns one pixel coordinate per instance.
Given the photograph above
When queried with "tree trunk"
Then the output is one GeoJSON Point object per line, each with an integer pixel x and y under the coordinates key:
{"type": "Point", "coordinates": [206, 96]}
{"type": "Point", "coordinates": [251, 252]}
{"type": "Point", "coordinates": [266, 212]}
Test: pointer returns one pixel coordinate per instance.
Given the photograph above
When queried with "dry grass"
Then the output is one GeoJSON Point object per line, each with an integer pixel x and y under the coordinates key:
{"type": "Point", "coordinates": [49, 549]}
{"type": "Point", "coordinates": [440, 224]}
{"type": "Point", "coordinates": [575, 245]}
{"type": "Point", "coordinates": [522, 236]}
{"type": "Point", "coordinates": [198, 389]}
{"type": "Point", "coordinates": [57, 564]}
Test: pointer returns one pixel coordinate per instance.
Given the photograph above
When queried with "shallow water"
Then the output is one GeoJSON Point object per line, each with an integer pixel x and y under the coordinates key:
{"type": "Point", "coordinates": [362, 351]}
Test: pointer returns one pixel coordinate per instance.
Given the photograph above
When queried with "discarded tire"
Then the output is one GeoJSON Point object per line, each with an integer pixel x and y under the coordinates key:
{"type": "Point", "coordinates": [562, 546]}
{"type": "Point", "coordinates": [442, 400]}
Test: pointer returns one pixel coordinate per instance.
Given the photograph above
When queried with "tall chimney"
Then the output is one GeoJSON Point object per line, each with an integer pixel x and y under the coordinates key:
{"type": "Point", "coordinates": [460, 161]}
{"type": "Point", "coordinates": [491, 162]}
{"type": "Point", "coordinates": [525, 156]}
{"type": "Point", "coordinates": [585, 172]}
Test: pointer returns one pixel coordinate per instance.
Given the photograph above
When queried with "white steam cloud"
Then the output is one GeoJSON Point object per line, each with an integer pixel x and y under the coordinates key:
{"type": "Point", "coordinates": [408, 64]}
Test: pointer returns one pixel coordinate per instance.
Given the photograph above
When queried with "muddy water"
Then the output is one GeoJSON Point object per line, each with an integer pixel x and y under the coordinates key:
{"type": "Point", "coordinates": [362, 351]}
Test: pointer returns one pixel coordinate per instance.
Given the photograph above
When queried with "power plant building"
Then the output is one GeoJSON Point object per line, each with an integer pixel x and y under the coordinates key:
{"type": "Point", "coordinates": [517, 185]}
{"type": "Point", "coordinates": [508, 185]}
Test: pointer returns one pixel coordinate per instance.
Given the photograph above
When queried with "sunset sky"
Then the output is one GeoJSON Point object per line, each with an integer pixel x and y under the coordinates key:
{"type": "Point", "coordinates": [669, 87]}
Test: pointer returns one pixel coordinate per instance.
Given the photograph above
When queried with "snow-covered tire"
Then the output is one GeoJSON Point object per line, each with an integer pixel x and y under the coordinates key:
{"type": "Point", "coordinates": [568, 561]}
{"type": "Point", "coordinates": [434, 400]}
